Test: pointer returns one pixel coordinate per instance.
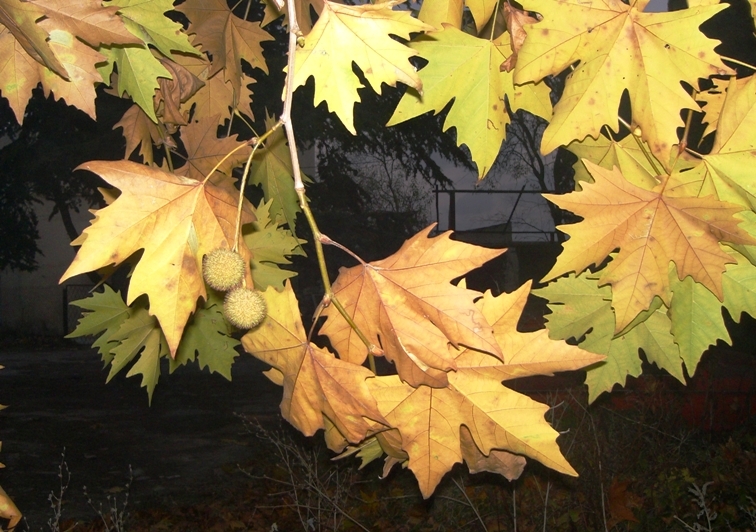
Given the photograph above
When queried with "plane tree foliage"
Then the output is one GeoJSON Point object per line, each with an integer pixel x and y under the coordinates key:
{"type": "Point", "coordinates": [661, 122]}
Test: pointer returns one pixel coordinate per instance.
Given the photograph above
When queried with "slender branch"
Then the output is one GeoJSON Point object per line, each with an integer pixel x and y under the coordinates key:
{"type": "Point", "coordinates": [294, 34]}
{"type": "Point", "coordinates": [493, 21]}
{"type": "Point", "coordinates": [738, 62]}
{"type": "Point", "coordinates": [257, 143]}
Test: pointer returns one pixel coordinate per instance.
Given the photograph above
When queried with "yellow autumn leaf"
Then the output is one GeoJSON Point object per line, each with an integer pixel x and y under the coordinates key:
{"type": "Point", "coordinates": [360, 34]}
{"type": "Point", "coordinates": [318, 387]}
{"type": "Point", "coordinates": [430, 420]}
{"type": "Point", "coordinates": [407, 306]}
{"type": "Point", "coordinates": [619, 47]}
{"type": "Point", "coordinates": [176, 221]}
{"type": "Point", "coordinates": [440, 13]}
{"type": "Point", "coordinates": [650, 228]}
{"type": "Point", "coordinates": [466, 69]}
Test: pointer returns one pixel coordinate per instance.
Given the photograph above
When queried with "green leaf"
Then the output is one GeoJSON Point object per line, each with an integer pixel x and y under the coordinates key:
{"type": "Point", "coordinates": [468, 70]}
{"type": "Point", "coordinates": [146, 20]}
{"type": "Point", "coordinates": [140, 333]}
{"type": "Point", "coordinates": [739, 285]}
{"type": "Point", "coordinates": [208, 336]}
{"type": "Point", "coordinates": [579, 306]}
{"type": "Point", "coordinates": [273, 171]}
{"type": "Point", "coordinates": [138, 71]}
{"type": "Point", "coordinates": [107, 313]}
{"type": "Point", "coordinates": [697, 320]}
{"type": "Point", "coordinates": [107, 310]}
{"type": "Point", "coordinates": [576, 303]}
{"type": "Point", "coordinates": [270, 245]}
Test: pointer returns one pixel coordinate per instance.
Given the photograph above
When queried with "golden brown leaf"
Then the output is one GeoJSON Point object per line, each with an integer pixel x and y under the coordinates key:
{"type": "Point", "coordinates": [19, 73]}
{"type": "Point", "coordinates": [316, 384]}
{"type": "Point", "coordinates": [176, 221]}
{"type": "Point", "coordinates": [503, 463]}
{"type": "Point", "coordinates": [430, 419]}
{"type": "Point", "coordinates": [89, 20]}
{"type": "Point", "coordinates": [173, 92]}
{"type": "Point", "coordinates": [407, 305]}
{"type": "Point", "coordinates": [205, 150]}
{"type": "Point", "coordinates": [227, 38]}
{"type": "Point", "coordinates": [650, 228]}
{"type": "Point", "coordinates": [20, 19]}
{"type": "Point", "coordinates": [79, 60]}
{"type": "Point", "coordinates": [9, 510]}
{"type": "Point", "coordinates": [139, 131]}
{"type": "Point", "coordinates": [516, 19]}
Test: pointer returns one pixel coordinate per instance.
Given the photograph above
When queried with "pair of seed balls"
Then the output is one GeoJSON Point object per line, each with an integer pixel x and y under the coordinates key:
{"type": "Point", "coordinates": [223, 270]}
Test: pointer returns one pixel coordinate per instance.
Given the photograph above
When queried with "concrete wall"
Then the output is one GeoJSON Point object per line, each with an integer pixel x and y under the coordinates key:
{"type": "Point", "coordinates": [31, 303]}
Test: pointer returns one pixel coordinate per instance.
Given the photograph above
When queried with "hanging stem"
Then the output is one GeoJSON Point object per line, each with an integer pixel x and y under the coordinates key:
{"type": "Point", "coordinates": [245, 175]}
{"type": "Point", "coordinates": [738, 62]}
{"type": "Point", "coordinates": [329, 297]}
{"type": "Point", "coordinates": [493, 20]}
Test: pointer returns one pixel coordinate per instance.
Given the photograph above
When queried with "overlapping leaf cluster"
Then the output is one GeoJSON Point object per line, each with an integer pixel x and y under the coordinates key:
{"type": "Point", "coordinates": [665, 242]}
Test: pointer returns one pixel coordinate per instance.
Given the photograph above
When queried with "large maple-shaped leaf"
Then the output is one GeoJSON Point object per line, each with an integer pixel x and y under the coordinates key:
{"type": "Point", "coordinates": [227, 38]}
{"type": "Point", "coordinates": [317, 385]}
{"type": "Point", "coordinates": [467, 69]}
{"type": "Point", "coordinates": [360, 34]}
{"type": "Point", "coordinates": [407, 305]}
{"type": "Point", "coordinates": [176, 221]}
{"type": "Point", "coordinates": [651, 229]}
{"type": "Point", "coordinates": [205, 150]}
{"type": "Point", "coordinates": [619, 48]}
{"type": "Point", "coordinates": [430, 419]}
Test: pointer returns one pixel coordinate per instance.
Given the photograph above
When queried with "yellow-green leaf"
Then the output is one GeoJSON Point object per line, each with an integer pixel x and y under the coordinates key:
{"type": "Point", "coordinates": [619, 47]}
{"type": "Point", "coordinates": [467, 69]}
{"type": "Point", "coordinates": [360, 34]}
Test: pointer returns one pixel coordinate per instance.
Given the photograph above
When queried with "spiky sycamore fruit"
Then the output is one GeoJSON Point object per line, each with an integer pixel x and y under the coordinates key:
{"type": "Point", "coordinates": [223, 269]}
{"type": "Point", "coordinates": [244, 308]}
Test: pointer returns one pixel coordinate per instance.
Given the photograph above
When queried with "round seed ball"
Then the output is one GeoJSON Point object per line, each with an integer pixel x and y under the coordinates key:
{"type": "Point", "coordinates": [244, 308]}
{"type": "Point", "coordinates": [223, 269]}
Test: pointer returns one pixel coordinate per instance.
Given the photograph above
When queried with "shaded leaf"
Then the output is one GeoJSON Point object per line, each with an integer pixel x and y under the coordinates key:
{"type": "Point", "coordinates": [407, 305]}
